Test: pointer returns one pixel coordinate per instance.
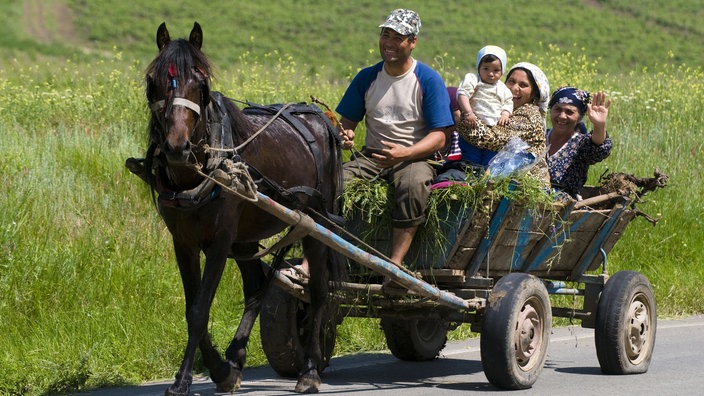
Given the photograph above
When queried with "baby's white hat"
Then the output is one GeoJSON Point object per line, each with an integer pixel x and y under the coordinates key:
{"type": "Point", "coordinates": [493, 50]}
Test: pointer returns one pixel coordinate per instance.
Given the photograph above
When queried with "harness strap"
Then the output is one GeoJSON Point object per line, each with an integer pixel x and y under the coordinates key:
{"type": "Point", "coordinates": [194, 198]}
{"type": "Point", "coordinates": [292, 116]}
{"type": "Point", "coordinates": [312, 143]}
{"type": "Point", "coordinates": [218, 124]}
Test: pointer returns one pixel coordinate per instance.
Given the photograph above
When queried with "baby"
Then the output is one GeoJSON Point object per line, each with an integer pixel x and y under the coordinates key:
{"type": "Point", "coordinates": [483, 96]}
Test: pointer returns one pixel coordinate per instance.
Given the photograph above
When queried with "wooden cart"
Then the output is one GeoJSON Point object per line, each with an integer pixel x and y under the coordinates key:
{"type": "Point", "coordinates": [497, 270]}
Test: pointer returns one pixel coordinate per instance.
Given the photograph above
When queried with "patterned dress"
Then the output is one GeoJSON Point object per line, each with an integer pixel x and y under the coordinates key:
{"type": "Point", "coordinates": [569, 166]}
{"type": "Point", "coordinates": [527, 123]}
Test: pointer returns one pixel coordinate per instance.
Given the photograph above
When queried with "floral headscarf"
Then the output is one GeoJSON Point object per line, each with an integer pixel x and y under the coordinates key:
{"type": "Point", "coordinates": [540, 80]}
{"type": "Point", "coordinates": [571, 96]}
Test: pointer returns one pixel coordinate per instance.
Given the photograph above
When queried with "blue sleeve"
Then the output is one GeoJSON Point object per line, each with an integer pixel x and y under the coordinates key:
{"type": "Point", "coordinates": [352, 104]}
{"type": "Point", "coordinates": [436, 101]}
{"type": "Point", "coordinates": [591, 153]}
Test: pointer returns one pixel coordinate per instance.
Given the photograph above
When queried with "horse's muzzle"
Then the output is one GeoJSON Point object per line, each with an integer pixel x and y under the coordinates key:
{"type": "Point", "coordinates": [177, 155]}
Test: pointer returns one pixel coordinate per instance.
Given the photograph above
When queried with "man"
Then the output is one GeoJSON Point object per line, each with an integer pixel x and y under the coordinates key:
{"type": "Point", "coordinates": [406, 109]}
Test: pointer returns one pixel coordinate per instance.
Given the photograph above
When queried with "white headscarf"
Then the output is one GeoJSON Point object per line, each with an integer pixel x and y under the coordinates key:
{"type": "Point", "coordinates": [540, 80]}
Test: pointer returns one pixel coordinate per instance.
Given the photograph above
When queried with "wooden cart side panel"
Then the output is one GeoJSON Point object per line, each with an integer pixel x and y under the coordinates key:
{"type": "Point", "coordinates": [497, 225]}
{"type": "Point", "coordinates": [584, 226]}
{"type": "Point", "coordinates": [593, 250]}
{"type": "Point", "coordinates": [613, 237]}
{"type": "Point", "coordinates": [468, 242]}
{"type": "Point", "coordinates": [521, 231]}
{"type": "Point", "coordinates": [506, 238]}
{"type": "Point", "coordinates": [523, 234]}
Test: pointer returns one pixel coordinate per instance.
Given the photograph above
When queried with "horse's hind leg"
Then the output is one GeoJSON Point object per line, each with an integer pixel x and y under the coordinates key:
{"type": "Point", "coordinates": [254, 283]}
{"type": "Point", "coordinates": [221, 372]}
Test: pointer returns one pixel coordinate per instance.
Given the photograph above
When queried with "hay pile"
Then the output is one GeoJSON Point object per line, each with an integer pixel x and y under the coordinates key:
{"type": "Point", "coordinates": [371, 203]}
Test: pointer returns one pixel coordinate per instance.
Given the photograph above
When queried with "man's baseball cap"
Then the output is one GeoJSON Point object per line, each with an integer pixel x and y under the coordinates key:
{"type": "Point", "coordinates": [403, 21]}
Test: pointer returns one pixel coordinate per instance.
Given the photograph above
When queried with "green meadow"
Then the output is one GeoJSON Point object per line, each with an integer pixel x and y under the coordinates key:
{"type": "Point", "coordinates": [89, 289]}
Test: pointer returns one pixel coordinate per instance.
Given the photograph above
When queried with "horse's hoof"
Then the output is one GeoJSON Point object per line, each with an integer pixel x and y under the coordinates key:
{"type": "Point", "coordinates": [176, 391]}
{"type": "Point", "coordinates": [231, 383]}
{"type": "Point", "coordinates": [308, 383]}
{"type": "Point", "coordinates": [181, 387]}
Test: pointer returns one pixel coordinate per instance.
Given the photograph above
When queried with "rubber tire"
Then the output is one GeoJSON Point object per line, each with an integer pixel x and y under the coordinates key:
{"type": "Point", "coordinates": [517, 301]}
{"type": "Point", "coordinates": [415, 340]}
{"type": "Point", "coordinates": [626, 322]}
{"type": "Point", "coordinates": [281, 327]}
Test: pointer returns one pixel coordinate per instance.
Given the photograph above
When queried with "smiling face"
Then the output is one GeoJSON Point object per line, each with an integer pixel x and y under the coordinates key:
{"type": "Point", "coordinates": [395, 48]}
{"type": "Point", "coordinates": [520, 85]}
{"type": "Point", "coordinates": [564, 118]}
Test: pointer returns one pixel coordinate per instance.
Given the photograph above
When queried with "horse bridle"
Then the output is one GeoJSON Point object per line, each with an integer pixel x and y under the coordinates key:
{"type": "Point", "coordinates": [162, 106]}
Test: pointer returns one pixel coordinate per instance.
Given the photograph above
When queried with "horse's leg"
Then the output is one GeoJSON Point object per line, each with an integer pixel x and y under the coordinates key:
{"type": "Point", "coordinates": [317, 254]}
{"type": "Point", "coordinates": [253, 284]}
{"type": "Point", "coordinates": [199, 294]}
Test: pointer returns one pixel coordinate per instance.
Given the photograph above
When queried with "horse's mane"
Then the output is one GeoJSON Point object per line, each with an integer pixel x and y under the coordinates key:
{"type": "Point", "coordinates": [183, 56]}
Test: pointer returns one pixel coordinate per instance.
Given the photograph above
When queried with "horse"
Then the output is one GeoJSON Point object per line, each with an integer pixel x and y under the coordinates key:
{"type": "Point", "coordinates": [296, 159]}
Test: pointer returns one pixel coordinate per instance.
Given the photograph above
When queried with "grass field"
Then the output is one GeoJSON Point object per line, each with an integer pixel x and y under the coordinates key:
{"type": "Point", "coordinates": [89, 290]}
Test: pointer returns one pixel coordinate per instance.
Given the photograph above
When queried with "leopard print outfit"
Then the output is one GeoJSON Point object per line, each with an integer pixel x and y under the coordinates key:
{"type": "Point", "coordinates": [527, 123]}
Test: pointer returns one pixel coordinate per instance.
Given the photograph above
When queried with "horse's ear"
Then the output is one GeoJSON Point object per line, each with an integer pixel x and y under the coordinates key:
{"type": "Point", "coordinates": [196, 37]}
{"type": "Point", "coordinates": [162, 36]}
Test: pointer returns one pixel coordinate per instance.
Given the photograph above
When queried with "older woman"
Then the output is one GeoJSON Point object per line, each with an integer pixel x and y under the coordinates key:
{"type": "Point", "coordinates": [571, 150]}
{"type": "Point", "coordinates": [530, 90]}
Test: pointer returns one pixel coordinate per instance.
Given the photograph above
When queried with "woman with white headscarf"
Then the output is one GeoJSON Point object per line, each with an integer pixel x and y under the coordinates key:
{"type": "Point", "coordinates": [531, 92]}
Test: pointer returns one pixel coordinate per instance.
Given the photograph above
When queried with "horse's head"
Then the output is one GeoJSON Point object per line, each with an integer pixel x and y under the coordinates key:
{"type": "Point", "coordinates": [178, 91]}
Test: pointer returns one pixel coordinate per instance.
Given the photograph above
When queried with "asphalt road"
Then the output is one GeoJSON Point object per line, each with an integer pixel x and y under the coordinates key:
{"type": "Point", "coordinates": [677, 368]}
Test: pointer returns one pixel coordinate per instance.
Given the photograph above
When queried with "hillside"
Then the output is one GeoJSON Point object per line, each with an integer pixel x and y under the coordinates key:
{"type": "Point", "coordinates": [335, 38]}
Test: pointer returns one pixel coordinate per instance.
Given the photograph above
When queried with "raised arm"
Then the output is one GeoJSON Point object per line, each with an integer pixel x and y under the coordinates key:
{"type": "Point", "coordinates": [598, 112]}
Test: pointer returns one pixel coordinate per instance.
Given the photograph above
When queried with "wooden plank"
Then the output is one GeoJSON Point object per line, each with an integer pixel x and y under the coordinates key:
{"type": "Point", "coordinates": [592, 250]}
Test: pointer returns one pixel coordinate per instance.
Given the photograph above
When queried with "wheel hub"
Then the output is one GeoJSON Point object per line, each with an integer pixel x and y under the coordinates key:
{"type": "Point", "coordinates": [528, 335]}
{"type": "Point", "coordinates": [637, 330]}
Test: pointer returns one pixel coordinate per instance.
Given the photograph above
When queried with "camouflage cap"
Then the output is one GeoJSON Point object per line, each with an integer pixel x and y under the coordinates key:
{"type": "Point", "coordinates": [403, 21]}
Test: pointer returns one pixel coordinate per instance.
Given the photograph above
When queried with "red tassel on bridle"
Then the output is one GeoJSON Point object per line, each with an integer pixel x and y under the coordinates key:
{"type": "Point", "coordinates": [172, 73]}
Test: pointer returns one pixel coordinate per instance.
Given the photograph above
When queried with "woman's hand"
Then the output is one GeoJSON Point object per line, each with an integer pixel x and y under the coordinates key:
{"type": "Point", "coordinates": [598, 109]}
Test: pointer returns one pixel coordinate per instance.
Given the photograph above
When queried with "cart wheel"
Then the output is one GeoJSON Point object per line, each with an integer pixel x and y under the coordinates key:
{"type": "Point", "coordinates": [415, 340]}
{"type": "Point", "coordinates": [625, 324]}
{"type": "Point", "coordinates": [515, 331]}
{"type": "Point", "coordinates": [282, 326]}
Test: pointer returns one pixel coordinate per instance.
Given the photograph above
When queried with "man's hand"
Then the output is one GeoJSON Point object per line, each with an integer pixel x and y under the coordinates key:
{"type": "Point", "coordinates": [347, 136]}
{"type": "Point", "coordinates": [391, 155]}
